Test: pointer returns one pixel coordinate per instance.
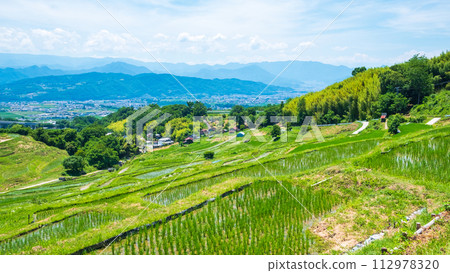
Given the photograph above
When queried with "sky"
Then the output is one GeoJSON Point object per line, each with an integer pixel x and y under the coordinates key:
{"type": "Point", "coordinates": [351, 33]}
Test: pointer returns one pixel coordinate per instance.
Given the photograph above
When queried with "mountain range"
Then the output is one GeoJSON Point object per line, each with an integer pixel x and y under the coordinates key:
{"type": "Point", "coordinates": [299, 75]}
{"type": "Point", "coordinates": [113, 86]}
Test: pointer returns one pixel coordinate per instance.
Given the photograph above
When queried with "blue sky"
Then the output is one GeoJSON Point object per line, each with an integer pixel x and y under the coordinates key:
{"type": "Point", "coordinates": [369, 33]}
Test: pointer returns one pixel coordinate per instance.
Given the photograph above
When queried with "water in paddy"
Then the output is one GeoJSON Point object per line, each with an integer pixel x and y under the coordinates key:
{"type": "Point", "coordinates": [286, 166]}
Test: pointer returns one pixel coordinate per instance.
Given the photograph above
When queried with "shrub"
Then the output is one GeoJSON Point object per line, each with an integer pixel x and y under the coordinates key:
{"type": "Point", "coordinates": [394, 122]}
{"type": "Point", "coordinates": [276, 131]}
{"type": "Point", "coordinates": [74, 164]}
{"type": "Point", "coordinates": [209, 155]}
{"type": "Point", "coordinates": [419, 119]}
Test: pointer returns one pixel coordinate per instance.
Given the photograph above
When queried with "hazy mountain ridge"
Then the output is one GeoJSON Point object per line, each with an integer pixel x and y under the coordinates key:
{"type": "Point", "coordinates": [110, 86]}
{"type": "Point", "coordinates": [299, 75]}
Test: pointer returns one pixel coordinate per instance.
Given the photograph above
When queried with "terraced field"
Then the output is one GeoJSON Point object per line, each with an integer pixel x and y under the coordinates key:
{"type": "Point", "coordinates": [300, 198]}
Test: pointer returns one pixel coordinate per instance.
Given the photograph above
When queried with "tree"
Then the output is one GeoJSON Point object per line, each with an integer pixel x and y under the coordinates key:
{"type": "Point", "coordinates": [99, 155]}
{"type": "Point", "coordinates": [19, 129]}
{"type": "Point", "coordinates": [276, 131]}
{"type": "Point", "coordinates": [199, 109]}
{"type": "Point", "coordinates": [393, 123]}
{"type": "Point", "coordinates": [74, 164]}
{"type": "Point", "coordinates": [358, 70]}
{"type": "Point", "coordinates": [420, 79]}
{"type": "Point", "coordinates": [392, 103]}
{"type": "Point", "coordinates": [91, 132]}
{"type": "Point", "coordinates": [208, 155]}
{"type": "Point", "coordinates": [238, 111]}
{"type": "Point", "coordinates": [71, 148]}
{"type": "Point", "coordinates": [391, 81]}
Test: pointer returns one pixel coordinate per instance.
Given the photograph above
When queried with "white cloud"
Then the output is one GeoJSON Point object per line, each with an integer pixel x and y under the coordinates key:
{"type": "Point", "coordinates": [340, 48]}
{"type": "Point", "coordinates": [105, 41]}
{"type": "Point", "coordinates": [186, 37]}
{"type": "Point", "coordinates": [161, 36]}
{"type": "Point", "coordinates": [12, 39]}
{"type": "Point", "coordinates": [219, 36]}
{"type": "Point", "coordinates": [256, 43]}
{"type": "Point", "coordinates": [55, 39]}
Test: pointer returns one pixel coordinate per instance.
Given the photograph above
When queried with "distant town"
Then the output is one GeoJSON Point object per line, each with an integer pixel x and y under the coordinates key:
{"type": "Point", "coordinates": [51, 111]}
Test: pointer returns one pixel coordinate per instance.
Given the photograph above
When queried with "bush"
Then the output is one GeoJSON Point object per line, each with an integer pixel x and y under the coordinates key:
{"type": "Point", "coordinates": [74, 164]}
{"type": "Point", "coordinates": [276, 131]}
{"type": "Point", "coordinates": [394, 122]}
{"type": "Point", "coordinates": [420, 119]}
{"type": "Point", "coordinates": [209, 155]}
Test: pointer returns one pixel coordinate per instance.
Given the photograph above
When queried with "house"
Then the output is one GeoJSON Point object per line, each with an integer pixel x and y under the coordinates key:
{"type": "Point", "coordinates": [203, 132]}
{"type": "Point", "coordinates": [165, 141]}
{"type": "Point", "coordinates": [383, 117]}
{"type": "Point", "coordinates": [188, 140]}
{"type": "Point", "coordinates": [240, 134]}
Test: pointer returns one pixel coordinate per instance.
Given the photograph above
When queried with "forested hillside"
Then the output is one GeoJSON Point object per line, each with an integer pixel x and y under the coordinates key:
{"type": "Point", "coordinates": [370, 92]}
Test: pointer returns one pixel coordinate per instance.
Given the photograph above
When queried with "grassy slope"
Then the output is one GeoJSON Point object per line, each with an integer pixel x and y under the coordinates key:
{"type": "Point", "coordinates": [24, 160]}
{"type": "Point", "coordinates": [372, 198]}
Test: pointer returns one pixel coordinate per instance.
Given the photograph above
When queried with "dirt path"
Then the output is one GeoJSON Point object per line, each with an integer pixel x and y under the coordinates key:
{"type": "Point", "coordinates": [4, 140]}
{"type": "Point", "coordinates": [364, 126]}
{"type": "Point", "coordinates": [124, 170]}
{"type": "Point", "coordinates": [433, 121]}
{"type": "Point", "coordinates": [45, 182]}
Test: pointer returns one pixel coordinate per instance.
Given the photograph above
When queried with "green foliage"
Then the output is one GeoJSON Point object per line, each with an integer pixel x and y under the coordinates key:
{"type": "Point", "coordinates": [275, 132]}
{"type": "Point", "coordinates": [19, 129]}
{"type": "Point", "coordinates": [262, 219]}
{"type": "Point", "coordinates": [434, 105]}
{"type": "Point", "coordinates": [208, 155]}
{"type": "Point", "coordinates": [99, 155]}
{"type": "Point", "coordinates": [52, 234]}
{"type": "Point", "coordinates": [199, 109]}
{"type": "Point", "coordinates": [394, 122]}
{"type": "Point", "coordinates": [427, 160]}
{"type": "Point", "coordinates": [392, 103]}
{"type": "Point", "coordinates": [419, 77]}
{"type": "Point", "coordinates": [358, 70]}
{"type": "Point", "coordinates": [74, 164]}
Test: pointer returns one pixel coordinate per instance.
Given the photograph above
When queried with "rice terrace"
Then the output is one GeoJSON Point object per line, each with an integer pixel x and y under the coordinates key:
{"type": "Point", "coordinates": [224, 136]}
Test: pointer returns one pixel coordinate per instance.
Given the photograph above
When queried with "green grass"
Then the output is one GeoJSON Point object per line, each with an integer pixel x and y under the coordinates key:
{"type": "Point", "coordinates": [378, 190]}
{"type": "Point", "coordinates": [262, 219]}
{"type": "Point", "coordinates": [51, 234]}
{"type": "Point", "coordinates": [423, 160]}
{"type": "Point", "coordinates": [24, 160]}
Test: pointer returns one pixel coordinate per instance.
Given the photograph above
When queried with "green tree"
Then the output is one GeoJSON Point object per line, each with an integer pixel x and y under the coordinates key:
{"type": "Point", "coordinates": [392, 103]}
{"type": "Point", "coordinates": [199, 109]}
{"type": "Point", "coordinates": [358, 70]}
{"type": "Point", "coordinates": [393, 123]}
{"type": "Point", "coordinates": [208, 155]}
{"type": "Point", "coordinates": [74, 164]}
{"type": "Point", "coordinates": [99, 155]}
{"type": "Point", "coordinates": [92, 132]}
{"type": "Point", "coordinates": [275, 132]}
{"type": "Point", "coordinates": [71, 147]}
{"type": "Point", "coordinates": [420, 79]}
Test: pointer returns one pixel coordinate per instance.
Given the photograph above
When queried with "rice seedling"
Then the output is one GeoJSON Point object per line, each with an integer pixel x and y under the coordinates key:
{"type": "Point", "coordinates": [51, 234]}
{"type": "Point", "coordinates": [426, 160]}
{"type": "Point", "coordinates": [262, 219]}
{"type": "Point", "coordinates": [289, 165]}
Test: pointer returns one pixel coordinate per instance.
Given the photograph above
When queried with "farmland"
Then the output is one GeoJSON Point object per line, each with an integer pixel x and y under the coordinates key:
{"type": "Point", "coordinates": [254, 197]}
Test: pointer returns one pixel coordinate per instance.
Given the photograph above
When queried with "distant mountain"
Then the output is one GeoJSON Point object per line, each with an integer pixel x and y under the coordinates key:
{"type": "Point", "coordinates": [250, 73]}
{"type": "Point", "coordinates": [110, 86]}
{"type": "Point", "coordinates": [120, 67]}
{"type": "Point", "coordinates": [8, 75]}
{"type": "Point", "coordinates": [300, 75]}
{"type": "Point", "coordinates": [15, 74]}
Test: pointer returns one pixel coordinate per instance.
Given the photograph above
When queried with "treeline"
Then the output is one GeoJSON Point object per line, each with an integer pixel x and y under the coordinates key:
{"type": "Point", "coordinates": [370, 92]}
